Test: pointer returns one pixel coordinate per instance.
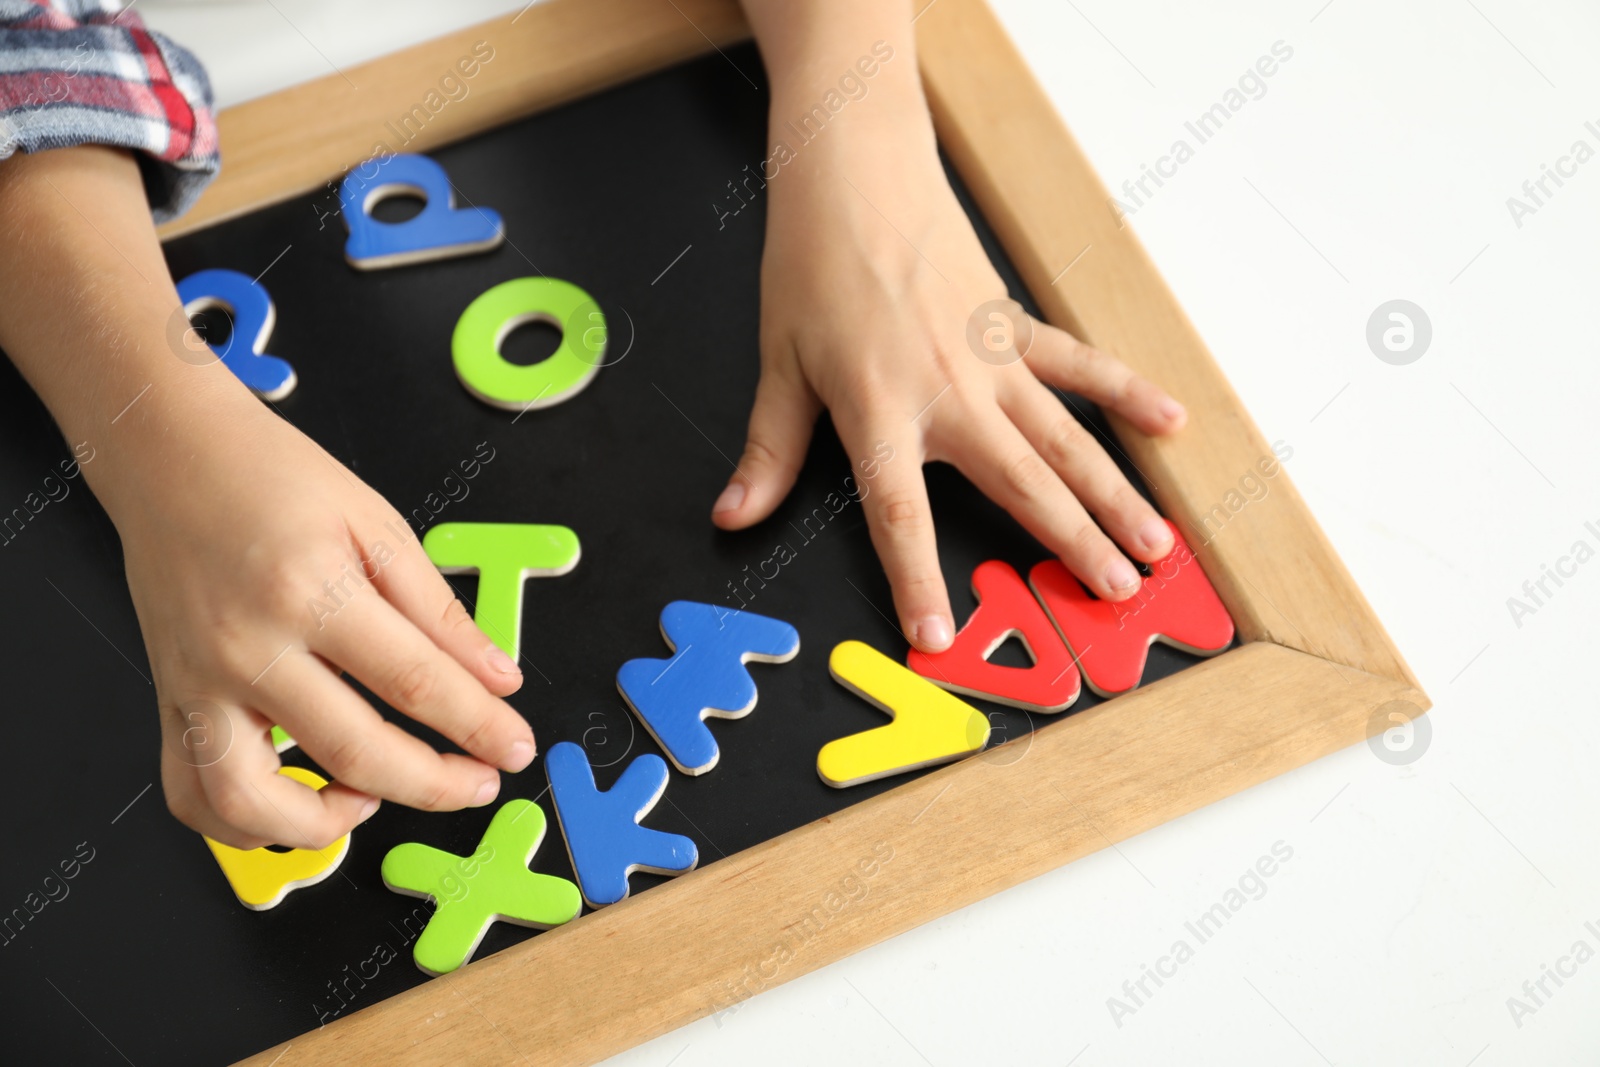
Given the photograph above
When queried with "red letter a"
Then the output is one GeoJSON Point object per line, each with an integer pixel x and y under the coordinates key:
{"type": "Point", "coordinates": [1005, 608]}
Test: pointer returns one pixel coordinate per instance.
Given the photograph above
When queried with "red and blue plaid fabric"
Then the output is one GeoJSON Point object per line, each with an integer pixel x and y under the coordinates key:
{"type": "Point", "coordinates": [78, 72]}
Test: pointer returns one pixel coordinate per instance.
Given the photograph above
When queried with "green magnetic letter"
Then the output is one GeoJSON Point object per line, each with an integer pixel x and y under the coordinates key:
{"type": "Point", "coordinates": [475, 345]}
{"type": "Point", "coordinates": [502, 555]}
{"type": "Point", "coordinates": [470, 892]}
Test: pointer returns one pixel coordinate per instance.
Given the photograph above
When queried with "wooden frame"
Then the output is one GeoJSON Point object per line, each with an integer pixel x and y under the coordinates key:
{"type": "Point", "coordinates": [1314, 666]}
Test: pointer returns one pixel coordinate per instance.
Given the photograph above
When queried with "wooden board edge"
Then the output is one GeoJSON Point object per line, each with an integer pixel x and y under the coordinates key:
{"type": "Point", "coordinates": [300, 138]}
{"type": "Point", "coordinates": [795, 903]}
{"type": "Point", "coordinates": [1270, 560]}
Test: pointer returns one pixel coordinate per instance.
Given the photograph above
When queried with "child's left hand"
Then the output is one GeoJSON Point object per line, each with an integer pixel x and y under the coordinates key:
{"type": "Point", "coordinates": [870, 275]}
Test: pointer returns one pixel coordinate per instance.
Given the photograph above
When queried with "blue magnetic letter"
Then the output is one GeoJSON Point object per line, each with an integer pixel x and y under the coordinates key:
{"type": "Point", "coordinates": [441, 230]}
{"type": "Point", "coordinates": [603, 834]}
{"type": "Point", "coordinates": [250, 308]}
{"type": "Point", "coordinates": [705, 676]}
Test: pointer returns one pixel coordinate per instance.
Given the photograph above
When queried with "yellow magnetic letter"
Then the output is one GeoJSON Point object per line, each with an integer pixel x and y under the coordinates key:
{"type": "Point", "coordinates": [261, 878]}
{"type": "Point", "coordinates": [930, 725]}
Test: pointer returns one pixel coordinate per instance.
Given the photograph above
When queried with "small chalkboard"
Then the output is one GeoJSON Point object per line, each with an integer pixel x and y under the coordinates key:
{"type": "Point", "coordinates": [142, 954]}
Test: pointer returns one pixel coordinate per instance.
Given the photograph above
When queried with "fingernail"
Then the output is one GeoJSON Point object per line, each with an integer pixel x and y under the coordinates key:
{"type": "Point", "coordinates": [486, 792]}
{"type": "Point", "coordinates": [1170, 409]}
{"type": "Point", "coordinates": [521, 755]}
{"type": "Point", "coordinates": [730, 499]}
{"type": "Point", "coordinates": [502, 663]}
{"type": "Point", "coordinates": [367, 809]}
{"type": "Point", "coordinates": [933, 633]}
{"type": "Point", "coordinates": [1155, 535]}
{"type": "Point", "coordinates": [1121, 575]}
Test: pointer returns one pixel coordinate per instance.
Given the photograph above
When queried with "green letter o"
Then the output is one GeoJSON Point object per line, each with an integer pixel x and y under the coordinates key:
{"type": "Point", "coordinates": [487, 375]}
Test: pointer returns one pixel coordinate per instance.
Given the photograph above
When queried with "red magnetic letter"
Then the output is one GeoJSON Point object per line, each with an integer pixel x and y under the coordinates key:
{"type": "Point", "coordinates": [1005, 608]}
{"type": "Point", "coordinates": [1111, 642]}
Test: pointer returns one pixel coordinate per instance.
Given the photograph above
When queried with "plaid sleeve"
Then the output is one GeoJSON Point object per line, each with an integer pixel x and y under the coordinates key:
{"type": "Point", "coordinates": [78, 72]}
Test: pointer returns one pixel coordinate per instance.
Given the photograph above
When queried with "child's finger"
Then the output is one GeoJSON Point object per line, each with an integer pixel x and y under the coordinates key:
{"type": "Point", "coordinates": [245, 791]}
{"type": "Point", "coordinates": [1064, 361]}
{"type": "Point", "coordinates": [1083, 465]}
{"type": "Point", "coordinates": [186, 799]}
{"type": "Point", "coordinates": [900, 521]}
{"type": "Point", "coordinates": [348, 738]}
{"type": "Point", "coordinates": [781, 423]}
{"type": "Point", "coordinates": [382, 649]}
{"type": "Point", "coordinates": [283, 811]}
{"type": "Point", "coordinates": [415, 587]}
{"type": "Point", "coordinates": [995, 457]}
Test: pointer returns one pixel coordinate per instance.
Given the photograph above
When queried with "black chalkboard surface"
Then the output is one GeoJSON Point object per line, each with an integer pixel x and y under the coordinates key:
{"type": "Point", "coordinates": [144, 955]}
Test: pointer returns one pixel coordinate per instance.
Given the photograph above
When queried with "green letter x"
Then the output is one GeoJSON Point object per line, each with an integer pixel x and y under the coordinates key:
{"type": "Point", "coordinates": [470, 892]}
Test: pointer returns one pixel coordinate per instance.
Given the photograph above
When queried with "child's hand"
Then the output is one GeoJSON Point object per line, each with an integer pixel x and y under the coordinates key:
{"type": "Point", "coordinates": [870, 275]}
{"type": "Point", "coordinates": [261, 568]}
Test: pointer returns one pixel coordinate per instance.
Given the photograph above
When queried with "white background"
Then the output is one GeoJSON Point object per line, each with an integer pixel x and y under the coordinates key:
{"type": "Point", "coordinates": [1419, 897]}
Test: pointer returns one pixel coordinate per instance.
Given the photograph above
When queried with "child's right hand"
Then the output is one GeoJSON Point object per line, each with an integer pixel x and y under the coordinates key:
{"type": "Point", "coordinates": [232, 536]}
